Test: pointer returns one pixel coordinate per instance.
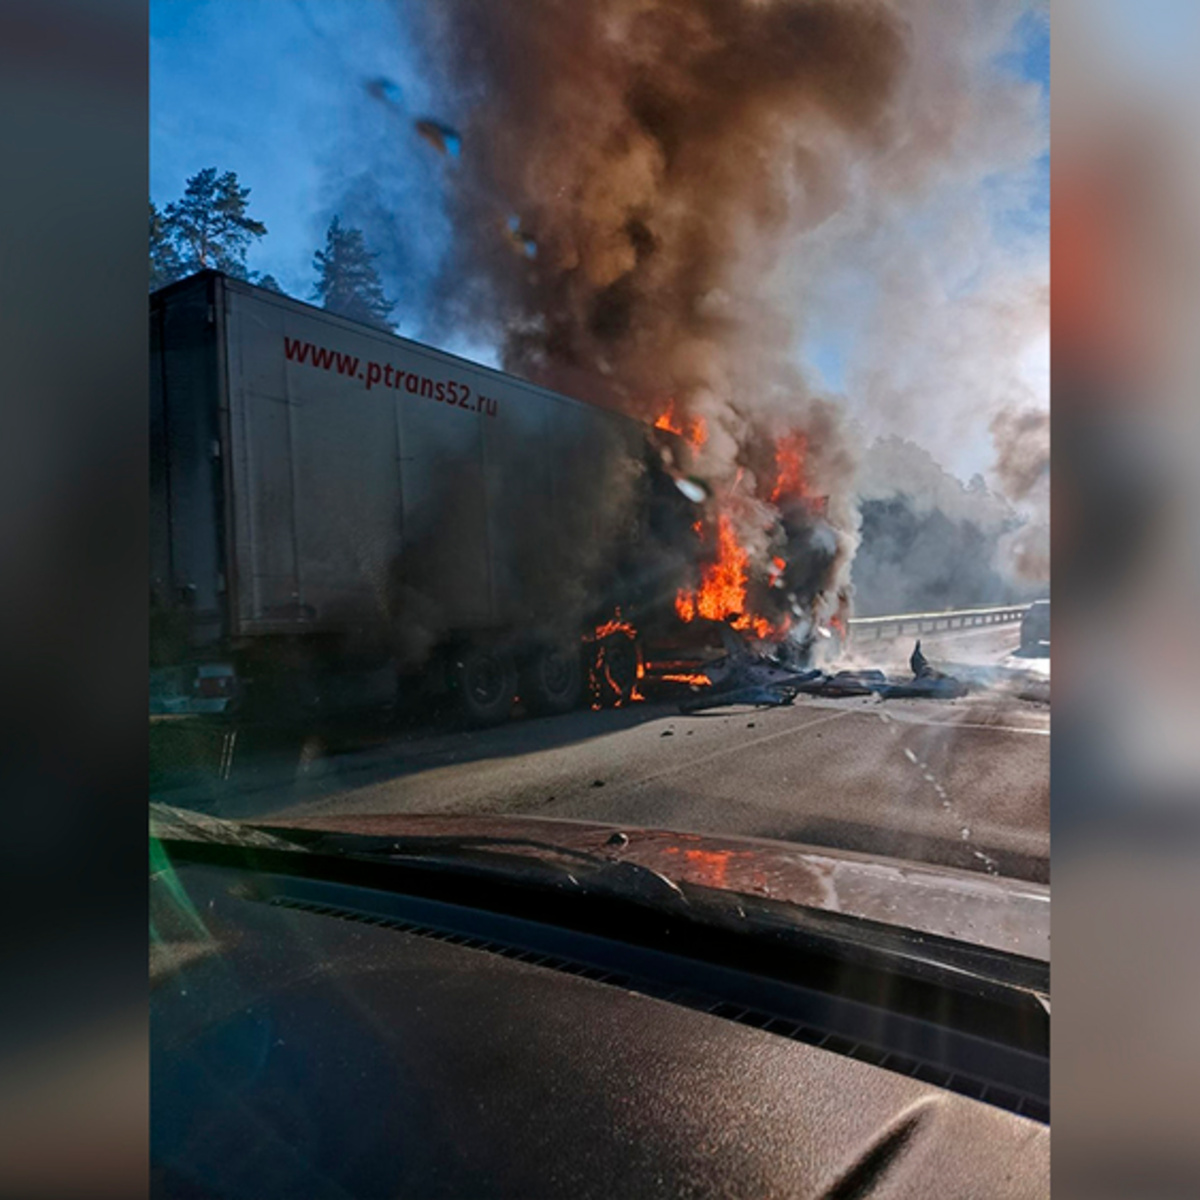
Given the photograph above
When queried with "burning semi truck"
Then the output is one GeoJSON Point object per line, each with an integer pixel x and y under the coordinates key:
{"type": "Point", "coordinates": [338, 513]}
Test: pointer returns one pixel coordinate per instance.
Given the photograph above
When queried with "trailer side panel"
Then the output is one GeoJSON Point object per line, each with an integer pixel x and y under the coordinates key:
{"type": "Point", "coordinates": [381, 486]}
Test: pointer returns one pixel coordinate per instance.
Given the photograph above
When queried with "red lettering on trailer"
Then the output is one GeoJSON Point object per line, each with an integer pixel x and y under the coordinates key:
{"type": "Point", "coordinates": [296, 351]}
{"type": "Point", "coordinates": [451, 392]}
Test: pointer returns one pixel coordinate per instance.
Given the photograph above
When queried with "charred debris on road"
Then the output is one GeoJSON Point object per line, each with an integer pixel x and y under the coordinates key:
{"type": "Point", "coordinates": [744, 676]}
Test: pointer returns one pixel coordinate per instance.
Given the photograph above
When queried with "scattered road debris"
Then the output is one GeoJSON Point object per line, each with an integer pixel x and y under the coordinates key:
{"type": "Point", "coordinates": [853, 683]}
{"type": "Point", "coordinates": [743, 677]}
{"type": "Point", "coordinates": [758, 696]}
{"type": "Point", "coordinates": [927, 682]}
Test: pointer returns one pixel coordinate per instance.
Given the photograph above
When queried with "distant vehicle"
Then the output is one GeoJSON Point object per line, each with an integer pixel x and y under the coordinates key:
{"type": "Point", "coordinates": [332, 505]}
{"type": "Point", "coordinates": [1035, 630]}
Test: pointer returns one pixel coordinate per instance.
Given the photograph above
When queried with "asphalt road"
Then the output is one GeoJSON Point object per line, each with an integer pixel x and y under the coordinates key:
{"type": "Point", "coordinates": [962, 782]}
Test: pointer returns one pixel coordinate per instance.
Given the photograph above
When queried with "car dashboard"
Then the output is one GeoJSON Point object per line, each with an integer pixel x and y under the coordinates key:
{"type": "Point", "coordinates": [319, 1038]}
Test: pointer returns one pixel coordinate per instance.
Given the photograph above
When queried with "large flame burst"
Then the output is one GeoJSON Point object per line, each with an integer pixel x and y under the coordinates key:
{"type": "Point", "coordinates": [721, 595]}
{"type": "Point", "coordinates": [724, 592]}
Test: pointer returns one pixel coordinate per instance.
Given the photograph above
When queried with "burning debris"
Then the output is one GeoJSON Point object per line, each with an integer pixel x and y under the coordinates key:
{"type": "Point", "coordinates": [744, 677]}
{"type": "Point", "coordinates": [764, 548]}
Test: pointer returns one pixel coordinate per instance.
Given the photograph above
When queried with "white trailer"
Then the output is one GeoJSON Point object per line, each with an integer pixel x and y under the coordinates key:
{"type": "Point", "coordinates": [323, 492]}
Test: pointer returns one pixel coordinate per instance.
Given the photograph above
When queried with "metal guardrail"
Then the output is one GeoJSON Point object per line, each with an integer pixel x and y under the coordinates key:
{"type": "Point", "coordinates": [901, 624]}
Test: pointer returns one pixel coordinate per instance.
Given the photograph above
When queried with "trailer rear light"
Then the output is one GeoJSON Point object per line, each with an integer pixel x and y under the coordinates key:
{"type": "Point", "coordinates": [215, 681]}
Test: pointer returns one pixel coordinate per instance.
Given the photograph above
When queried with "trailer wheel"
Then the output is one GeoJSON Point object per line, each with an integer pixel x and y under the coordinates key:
{"type": "Point", "coordinates": [614, 670]}
{"type": "Point", "coordinates": [486, 681]}
{"type": "Point", "coordinates": [552, 680]}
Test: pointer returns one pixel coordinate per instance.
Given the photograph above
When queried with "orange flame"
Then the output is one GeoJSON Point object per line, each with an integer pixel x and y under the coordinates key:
{"type": "Point", "coordinates": [600, 678]}
{"type": "Point", "coordinates": [636, 694]}
{"type": "Point", "coordinates": [759, 626]}
{"type": "Point", "coordinates": [614, 625]}
{"type": "Point", "coordinates": [790, 453]}
{"type": "Point", "coordinates": [666, 420]}
{"type": "Point", "coordinates": [696, 680]}
{"type": "Point", "coordinates": [693, 430]}
{"type": "Point", "coordinates": [722, 592]}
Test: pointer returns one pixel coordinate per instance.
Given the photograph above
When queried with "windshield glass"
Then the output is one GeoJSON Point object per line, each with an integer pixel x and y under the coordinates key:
{"type": "Point", "coordinates": [631, 412]}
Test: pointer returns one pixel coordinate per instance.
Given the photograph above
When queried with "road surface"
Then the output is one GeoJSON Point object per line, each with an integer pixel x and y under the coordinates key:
{"type": "Point", "coordinates": [962, 782]}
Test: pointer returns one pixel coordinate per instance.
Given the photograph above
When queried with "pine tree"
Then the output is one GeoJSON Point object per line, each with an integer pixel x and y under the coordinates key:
{"type": "Point", "coordinates": [209, 226]}
{"type": "Point", "coordinates": [347, 282]}
{"type": "Point", "coordinates": [165, 266]}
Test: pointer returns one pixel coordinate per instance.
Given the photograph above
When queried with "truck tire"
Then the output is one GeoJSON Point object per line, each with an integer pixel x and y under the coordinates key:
{"type": "Point", "coordinates": [614, 673]}
{"type": "Point", "coordinates": [486, 681]}
{"type": "Point", "coordinates": [552, 680]}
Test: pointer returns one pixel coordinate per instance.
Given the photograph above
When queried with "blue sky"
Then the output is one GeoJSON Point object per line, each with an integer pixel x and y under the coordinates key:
{"type": "Point", "coordinates": [276, 91]}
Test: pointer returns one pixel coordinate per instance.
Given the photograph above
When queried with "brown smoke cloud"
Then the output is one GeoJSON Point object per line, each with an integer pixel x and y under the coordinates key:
{"type": "Point", "coordinates": [630, 172]}
{"type": "Point", "coordinates": [1021, 437]}
{"type": "Point", "coordinates": [1022, 441]}
{"type": "Point", "coordinates": [646, 186]}
{"type": "Point", "coordinates": [654, 151]}
{"type": "Point", "coordinates": [1029, 552]}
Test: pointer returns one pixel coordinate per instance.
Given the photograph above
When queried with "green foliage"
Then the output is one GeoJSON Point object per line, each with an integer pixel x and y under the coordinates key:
{"type": "Point", "coordinates": [164, 261]}
{"type": "Point", "coordinates": [348, 283]}
{"type": "Point", "coordinates": [208, 227]}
